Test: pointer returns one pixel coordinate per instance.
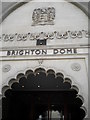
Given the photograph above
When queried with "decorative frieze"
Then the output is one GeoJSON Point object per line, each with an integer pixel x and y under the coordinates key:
{"type": "Point", "coordinates": [47, 36]}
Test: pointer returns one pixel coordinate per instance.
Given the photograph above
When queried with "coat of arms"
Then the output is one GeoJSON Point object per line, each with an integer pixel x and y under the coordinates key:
{"type": "Point", "coordinates": [43, 16]}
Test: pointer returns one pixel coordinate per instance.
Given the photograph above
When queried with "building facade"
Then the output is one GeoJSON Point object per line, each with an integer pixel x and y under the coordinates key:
{"type": "Point", "coordinates": [44, 58]}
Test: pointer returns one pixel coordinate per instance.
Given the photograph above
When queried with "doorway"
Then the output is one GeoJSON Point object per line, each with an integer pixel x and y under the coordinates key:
{"type": "Point", "coordinates": [42, 95]}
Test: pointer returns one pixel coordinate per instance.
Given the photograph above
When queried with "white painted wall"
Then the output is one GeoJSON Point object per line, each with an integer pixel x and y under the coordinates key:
{"type": "Point", "coordinates": [68, 17]}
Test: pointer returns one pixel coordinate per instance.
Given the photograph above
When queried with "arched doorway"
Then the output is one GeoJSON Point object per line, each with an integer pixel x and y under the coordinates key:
{"type": "Point", "coordinates": [42, 95]}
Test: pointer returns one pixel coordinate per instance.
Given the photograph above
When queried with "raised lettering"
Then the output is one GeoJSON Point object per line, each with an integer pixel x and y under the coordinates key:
{"type": "Point", "coordinates": [27, 52]}
{"type": "Point", "coordinates": [69, 50]}
{"type": "Point", "coordinates": [8, 53]}
{"type": "Point", "coordinates": [21, 52]}
{"type": "Point", "coordinates": [37, 52]}
{"type": "Point", "coordinates": [62, 51]}
{"type": "Point", "coordinates": [55, 51]}
{"type": "Point", "coordinates": [44, 52]}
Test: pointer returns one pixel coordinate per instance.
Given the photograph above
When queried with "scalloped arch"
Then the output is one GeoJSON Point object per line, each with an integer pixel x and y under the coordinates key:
{"type": "Point", "coordinates": [35, 80]}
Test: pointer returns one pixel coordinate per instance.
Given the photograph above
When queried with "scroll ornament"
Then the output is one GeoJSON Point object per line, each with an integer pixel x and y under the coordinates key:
{"type": "Point", "coordinates": [43, 35]}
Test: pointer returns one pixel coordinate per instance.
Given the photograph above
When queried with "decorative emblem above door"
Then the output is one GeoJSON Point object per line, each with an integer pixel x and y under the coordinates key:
{"type": "Point", "coordinates": [43, 16]}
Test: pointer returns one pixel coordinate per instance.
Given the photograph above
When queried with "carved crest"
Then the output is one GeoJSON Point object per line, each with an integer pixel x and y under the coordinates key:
{"type": "Point", "coordinates": [43, 16]}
